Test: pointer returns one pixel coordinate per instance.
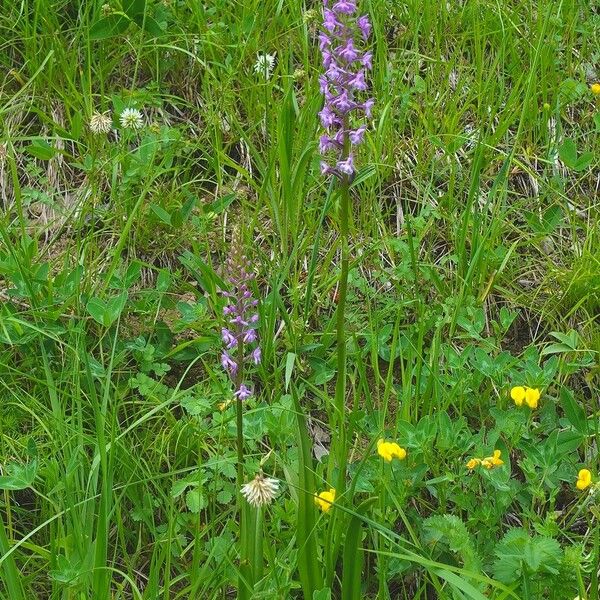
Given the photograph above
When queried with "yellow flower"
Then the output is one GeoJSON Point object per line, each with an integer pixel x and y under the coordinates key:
{"type": "Point", "coordinates": [390, 450]}
{"type": "Point", "coordinates": [473, 463]}
{"type": "Point", "coordinates": [584, 479]}
{"type": "Point", "coordinates": [325, 499]}
{"type": "Point", "coordinates": [518, 394]}
{"type": "Point", "coordinates": [595, 87]}
{"type": "Point", "coordinates": [532, 395]}
{"type": "Point", "coordinates": [493, 461]}
{"type": "Point", "coordinates": [525, 394]}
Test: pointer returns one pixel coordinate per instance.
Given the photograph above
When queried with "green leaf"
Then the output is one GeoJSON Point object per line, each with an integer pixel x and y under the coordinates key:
{"type": "Point", "coordinates": [152, 27]}
{"type": "Point", "coordinates": [567, 152]}
{"type": "Point", "coordinates": [353, 555]}
{"type": "Point", "coordinates": [309, 569]}
{"type": "Point", "coordinates": [220, 204]}
{"type": "Point", "coordinates": [109, 26]}
{"type": "Point", "coordinates": [543, 554]}
{"type": "Point", "coordinates": [289, 367]}
{"type": "Point", "coordinates": [194, 405]}
{"type": "Point", "coordinates": [461, 584]}
{"type": "Point", "coordinates": [195, 500]}
{"type": "Point", "coordinates": [41, 149]}
{"type": "Point", "coordinates": [134, 7]}
{"type": "Point", "coordinates": [450, 532]}
{"type": "Point", "coordinates": [517, 554]}
{"type": "Point", "coordinates": [161, 213]}
{"type": "Point", "coordinates": [555, 349]}
{"type": "Point", "coordinates": [584, 161]}
{"type": "Point", "coordinates": [573, 411]}
{"type": "Point", "coordinates": [19, 477]}
{"type": "Point", "coordinates": [106, 312]}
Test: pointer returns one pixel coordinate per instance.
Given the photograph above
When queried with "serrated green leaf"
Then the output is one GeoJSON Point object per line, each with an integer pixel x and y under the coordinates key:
{"type": "Point", "coordinates": [195, 500]}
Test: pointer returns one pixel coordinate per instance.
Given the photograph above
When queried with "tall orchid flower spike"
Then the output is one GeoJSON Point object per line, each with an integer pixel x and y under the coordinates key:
{"type": "Point", "coordinates": [345, 64]}
{"type": "Point", "coordinates": [239, 337]}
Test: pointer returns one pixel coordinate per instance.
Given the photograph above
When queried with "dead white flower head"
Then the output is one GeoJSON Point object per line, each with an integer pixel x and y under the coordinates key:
{"type": "Point", "coordinates": [261, 490]}
{"type": "Point", "coordinates": [100, 123]}
{"type": "Point", "coordinates": [131, 118]}
{"type": "Point", "coordinates": [264, 64]}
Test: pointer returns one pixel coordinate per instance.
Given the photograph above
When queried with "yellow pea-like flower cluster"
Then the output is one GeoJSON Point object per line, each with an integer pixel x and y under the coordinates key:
{"type": "Point", "coordinates": [523, 394]}
{"type": "Point", "coordinates": [390, 450]}
{"type": "Point", "coordinates": [489, 462]}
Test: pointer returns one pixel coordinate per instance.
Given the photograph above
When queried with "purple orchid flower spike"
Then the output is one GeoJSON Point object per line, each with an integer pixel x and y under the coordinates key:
{"type": "Point", "coordinates": [240, 337]}
{"type": "Point", "coordinates": [346, 65]}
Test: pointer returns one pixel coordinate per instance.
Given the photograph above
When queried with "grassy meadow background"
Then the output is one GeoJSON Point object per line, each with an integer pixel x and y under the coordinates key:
{"type": "Point", "coordinates": [474, 267]}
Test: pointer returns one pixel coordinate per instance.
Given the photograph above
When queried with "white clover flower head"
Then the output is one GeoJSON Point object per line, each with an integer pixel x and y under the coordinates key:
{"type": "Point", "coordinates": [261, 490]}
{"type": "Point", "coordinates": [264, 64]}
{"type": "Point", "coordinates": [131, 118]}
{"type": "Point", "coordinates": [100, 123]}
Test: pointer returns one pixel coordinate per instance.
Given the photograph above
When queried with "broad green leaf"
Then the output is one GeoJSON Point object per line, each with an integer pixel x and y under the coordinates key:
{"type": "Point", "coordinates": [134, 7]}
{"type": "Point", "coordinates": [161, 213]}
{"type": "Point", "coordinates": [19, 477]}
{"type": "Point", "coordinates": [41, 149]}
{"type": "Point", "coordinates": [584, 161]}
{"type": "Point", "coordinates": [109, 26]}
{"type": "Point", "coordinates": [573, 411]}
{"type": "Point", "coordinates": [567, 152]}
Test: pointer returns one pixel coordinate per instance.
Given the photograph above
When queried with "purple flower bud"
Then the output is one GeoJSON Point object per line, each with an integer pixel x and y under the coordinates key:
{"type": "Point", "coordinates": [243, 393]}
{"type": "Point", "coordinates": [348, 52]}
{"type": "Point", "coordinates": [325, 168]}
{"type": "Point", "coordinates": [356, 136]}
{"type": "Point", "coordinates": [358, 81]}
{"type": "Point", "coordinates": [238, 320]}
{"type": "Point", "coordinates": [323, 84]}
{"type": "Point", "coordinates": [250, 336]}
{"type": "Point", "coordinates": [330, 21]}
{"type": "Point", "coordinates": [343, 103]}
{"type": "Point", "coordinates": [368, 107]}
{"type": "Point", "coordinates": [328, 117]}
{"type": "Point", "coordinates": [346, 166]}
{"type": "Point", "coordinates": [346, 7]}
{"type": "Point", "coordinates": [228, 338]}
{"type": "Point", "coordinates": [256, 355]}
{"type": "Point", "coordinates": [228, 363]}
{"type": "Point", "coordinates": [367, 60]}
{"type": "Point", "coordinates": [324, 41]}
{"type": "Point", "coordinates": [364, 25]}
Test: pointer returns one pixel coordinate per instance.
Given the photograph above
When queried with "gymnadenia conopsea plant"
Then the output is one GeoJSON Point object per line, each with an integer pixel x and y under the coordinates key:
{"type": "Point", "coordinates": [344, 114]}
{"type": "Point", "coordinates": [346, 109]}
{"type": "Point", "coordinates": [241, 349]}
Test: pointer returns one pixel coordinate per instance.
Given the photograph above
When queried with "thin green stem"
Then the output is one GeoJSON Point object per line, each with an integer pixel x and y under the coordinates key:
{"type": "Point", "coordinates": [239, 379]}
{"type": "Point", "coordinates": [340, 384]}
